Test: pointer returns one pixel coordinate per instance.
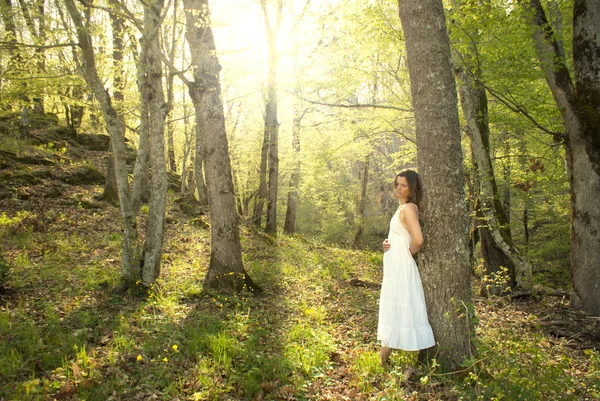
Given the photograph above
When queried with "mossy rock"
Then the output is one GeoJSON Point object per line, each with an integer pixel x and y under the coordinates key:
{"type": "Point", "coordinates": [199, 222]}
{"type": "Point", "coordinates": [174, 181]}
{"type": "Point", "coordinates": [37, 160]}
{"type": "Point", "coordinates": [44, 120]}
{"type": "Point", "coordinates": [189, 205]}
{"type": "Point", "coordinates": [52, 192]}
{"type": "Point", "coordinates": [84, 175]}
{"type": "Point", "coordinates": [4, 163]}
{"type": "Point", "coordinates": [23, 193]}
{"type": "Point", "coordinates": [43, 174]}
{"type": "Point", "coordinates": [89, 204]}
{"type": "Point", "coordinates": [19, 178]}
{"type": "Point", "coordinates": [5, 192]}
{"type": "Point", "coordinates": [99, 142]}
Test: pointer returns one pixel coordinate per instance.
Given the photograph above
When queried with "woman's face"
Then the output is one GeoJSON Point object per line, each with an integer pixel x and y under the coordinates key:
{"type": "Point", "coordinates": [402, 189]}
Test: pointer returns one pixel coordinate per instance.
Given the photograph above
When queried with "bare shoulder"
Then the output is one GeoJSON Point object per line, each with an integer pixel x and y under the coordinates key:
{"type": "Point", "coordinates": [411, 209]}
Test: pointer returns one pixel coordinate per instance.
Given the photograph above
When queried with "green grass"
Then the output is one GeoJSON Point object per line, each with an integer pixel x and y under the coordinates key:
{"type": "Point", "coordinates": [309, 336]}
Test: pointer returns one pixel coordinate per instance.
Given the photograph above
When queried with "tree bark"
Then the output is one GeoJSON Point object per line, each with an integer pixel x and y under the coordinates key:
{"type": "Point", "coordinates": [262, 186]}
{"type": "Point", "coordinates": [38, 34]}
{"type": "Point", "coordinates": [111, 192]}
{"type": "Point", "coordinates": [141, 170]}
{"type": "Point", "coordinates": [130, 272]}
{"type": "Point", "coordinates": [170, 97]}
{"type": "Point", "coordinates": [579, 104]}
{"type": "Point", "coordinates": [290, 215]}
{"type": "Point", "coordinates": [444, 260]}
{"type": "Point", "coordinates": [473, 100]}
{"type": "Point", "coordinates": [198, 163]}
{"type": "Point", "coordinates": [362, 201]}
{"type": "Point", "coordinates": [157, 111]}
{"type": "Point", "coordinates": [226, 269]}
{"type": "Point", "coordinates": [271, 123]}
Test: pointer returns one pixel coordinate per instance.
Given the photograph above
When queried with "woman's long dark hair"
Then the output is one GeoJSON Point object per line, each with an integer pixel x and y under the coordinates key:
{"type": "Point", "coordinates": [414, 184]}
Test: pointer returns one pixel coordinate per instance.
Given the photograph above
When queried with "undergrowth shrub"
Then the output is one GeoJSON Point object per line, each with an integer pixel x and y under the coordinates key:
{"type": "Point", "coordinates": [5, 269]}
{"type": "Point", "coordinates": [519, 368]}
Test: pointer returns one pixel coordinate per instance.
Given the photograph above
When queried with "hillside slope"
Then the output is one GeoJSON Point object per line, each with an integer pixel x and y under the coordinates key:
{"type": "Point", "coordinates": [67, 335]}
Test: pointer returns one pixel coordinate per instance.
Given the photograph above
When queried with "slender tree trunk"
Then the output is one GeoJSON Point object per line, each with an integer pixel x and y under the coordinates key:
{"type": "Point", "coordinates": [226, 269]}
{"type": "Point", "coordinates": [271, 123]}
{"type": "Point", "coordinates": [10, 36]}
{"type": "Point", "coordinates": [262, 186]}
{"type": "Point", "coordinates": [170, 97]}
{"type": "Point", "coordinates": [198, 162]}
{"type": "Point", "coordinates": [141, 171]}
{"type": "Point", "coordinates": [157, 109]}
{"type": "Point", "coordinates": [116, 127]}
{"type": "Point", "coordinates": [290, 215]}
{"type": "Point", "coordinates": [444, 261]}
{"type": "Point", "coordinates": [10, 28]}
{"type": "Point", "coordinates": [473, 100]}
{"type": "Point", "coordinates": [362, 202]}
{"type": "Point", "coordinates": [39, 37]}
{"type": "Point", "coordinates": [184, 168]}
{"type": "Point", "coordinates": [506, 175]}
{"type": "Point", "coordinates": [111, 192]}
{"type": "Point", "coordinates": [579, 105]}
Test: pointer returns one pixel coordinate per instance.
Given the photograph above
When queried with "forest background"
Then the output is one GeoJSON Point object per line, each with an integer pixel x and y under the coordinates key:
{"type": "Point", "coordinates": [330, 79]}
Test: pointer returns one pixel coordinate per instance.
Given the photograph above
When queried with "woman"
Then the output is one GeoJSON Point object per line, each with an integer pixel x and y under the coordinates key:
{"type": "Point", "coordinates": [403, 320]}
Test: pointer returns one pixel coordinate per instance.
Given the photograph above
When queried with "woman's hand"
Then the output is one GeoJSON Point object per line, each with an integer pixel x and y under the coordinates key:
{"type": "Point", "coordinates": [386, 245]}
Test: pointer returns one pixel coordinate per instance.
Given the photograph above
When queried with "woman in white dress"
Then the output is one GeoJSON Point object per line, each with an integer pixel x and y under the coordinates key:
{"type": "Point", "coordinates": [403, 322]}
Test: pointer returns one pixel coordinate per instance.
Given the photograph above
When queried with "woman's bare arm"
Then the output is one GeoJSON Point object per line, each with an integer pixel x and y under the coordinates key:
{"type": "Point", "coordinates": [410, 215]}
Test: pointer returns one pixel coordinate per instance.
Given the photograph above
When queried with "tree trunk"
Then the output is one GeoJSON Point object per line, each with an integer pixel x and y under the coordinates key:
{"type": "Point", "coordinates": [271, 123]}
{"type": "Point", "coordinates": [198, 165]}
{"type": "Point", "coordinates": [111, 192]}
{"type": "Point", "coordinates": [38, 34]}
{"type": "Point", "coordinates": [473, 100]}
{"type": "Point", "coordinates": [262, 186]}
{"type": "Point", "coordinates": [141, 171]}
{"type": "Point", "coordinates": [290, 215]}
{"type": "Point", "coordinates": [226, 269]}
{"type": "Point", "coordinates": [170, 97]}
{"type": "Point", "coordinates": [579, 105]}
{"type": "Point", "coordinates": [362, 201]}
{"type": "Point", "coordinates": [444, 260]}
{"type": "Point", "coordinates": [10, 29]}
{"type": "Point", "coordinates": [15, 60]}
{"type": "Point", "coordinates": [187, 148]}
{"type": "Point", "coordinates": [155, 99]}
{"type": "Point", "coordinates": [116, 127]}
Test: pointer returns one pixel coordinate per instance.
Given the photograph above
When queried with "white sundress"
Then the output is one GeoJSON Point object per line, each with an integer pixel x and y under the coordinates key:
{"type": "Point", "coordinates": [403, 322]}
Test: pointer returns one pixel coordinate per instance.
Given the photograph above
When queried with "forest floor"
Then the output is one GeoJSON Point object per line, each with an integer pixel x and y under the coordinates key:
{"type": "Point", "coordinates": [311, 335]}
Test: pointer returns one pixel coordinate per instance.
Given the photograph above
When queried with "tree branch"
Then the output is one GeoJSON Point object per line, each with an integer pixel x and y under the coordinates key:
{"type": "Point", "coordinates": [4, 44]}
{"type": "Point", "coordinates": [520, 110]}
{"type": "Point", "coordinates": [356, 106]}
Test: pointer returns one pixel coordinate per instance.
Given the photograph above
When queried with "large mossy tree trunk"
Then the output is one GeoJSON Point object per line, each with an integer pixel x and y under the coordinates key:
{"type": "Point", "coordinates": [130, 271]}
{"type": "Point", "coordinates": [579, 104]}
{"type": "Point", "coordinates": [444, 260]}
{"type": "Point", "coordinates": [226, 269]}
